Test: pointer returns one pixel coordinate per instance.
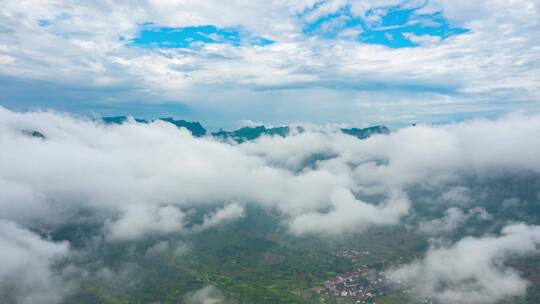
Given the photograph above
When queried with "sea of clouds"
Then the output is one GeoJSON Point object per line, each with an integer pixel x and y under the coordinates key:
{"type": "Point", "coordinates": [139, 180]}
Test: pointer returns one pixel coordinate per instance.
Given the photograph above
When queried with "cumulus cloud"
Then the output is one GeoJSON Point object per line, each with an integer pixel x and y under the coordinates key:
{"type": "Point", "coordinates": [473, 270]}
{"type": "Point", "coordinates": [453, 219]}
{"type": "Point", "coordinates": [206, 295]}
{"type": "Point", "coordinates": [27, 261]}
{"type": "Point", "coordinates": [138, 221]}
{"type": "Point", "coordinates": [348, 214]}
{"type": "Point", "coordinates": [223, 215]}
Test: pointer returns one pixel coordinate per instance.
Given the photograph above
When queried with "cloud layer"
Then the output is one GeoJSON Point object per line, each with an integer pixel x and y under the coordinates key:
{"type": "Point", "coordinates": [473, 270]}
{"type": "Point", "coordinates": [26, 266]}
{"type": "Point", "coordinates": [139, 180]}
{"type": "Point", "coordinates": [489, 70]}
{"type": "Point", "coordinates": [142, 178]}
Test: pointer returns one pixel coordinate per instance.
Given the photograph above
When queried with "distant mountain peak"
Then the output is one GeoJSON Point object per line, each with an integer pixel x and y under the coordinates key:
{"type": "Point", "coordinates": [34, 133]}
{"type": "Point", "coordinates": [364, 133]}
{"type": "Point", "coordinates": [195, 128]}
{"type": "Point", "coordinates": [251, 133]}
{"type": "Point", "coordinates": [246, 133]}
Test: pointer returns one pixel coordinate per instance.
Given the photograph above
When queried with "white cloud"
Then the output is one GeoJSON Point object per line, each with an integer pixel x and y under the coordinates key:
{"type": "Point", "coordinates": [425, 40]}
{"type": "Point", "coordinates": [206, 295]}
{"type": "Point", "coordinates": [348, 214]}
{"type": "Point", "coordinates": [221, 216]}
{"type": "Point", "coordinates": [26, 266]}
{"type": "Point", "coordinates": [453, 219]}
{"type": "Point", "coordinates": [138, 221]}
{"type": "Point", "coordinates": [177, 248]}
{"type": "Point", "coordinates": [473, 270]}
{"type": "Point", "coordinates": [457, 196]}
{"type": "Point", "coordinates": [142, 178]}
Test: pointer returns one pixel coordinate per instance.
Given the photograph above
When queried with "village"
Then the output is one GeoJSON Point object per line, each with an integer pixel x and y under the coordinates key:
{"type": "Point", "coordinates": [350, 253]}
{"type": "Point", "coordinates": [363, 284]}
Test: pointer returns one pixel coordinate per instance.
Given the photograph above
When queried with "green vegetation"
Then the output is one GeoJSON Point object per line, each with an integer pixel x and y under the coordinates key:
{"type": "Point", "coordinates": [251, 261]}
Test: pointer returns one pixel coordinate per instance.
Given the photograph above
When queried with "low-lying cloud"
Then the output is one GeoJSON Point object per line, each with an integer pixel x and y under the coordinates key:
{"type": "Point", "coordinates": [473, 270]}
{"type": "Point", "coordinates": [26, 266]}
{"type": "Point", "coordinates": [206, 295]}
{"type": "Point", "coordinates": [142, 178]}
{"type": "Point", "coordinates": [221, 216]}
{"type": "Point", "coordinates": [138, 180]}
{"type": "Point", "coordinates": [348, 214]}
{"type": "Point", "coordinates": [453, 219]}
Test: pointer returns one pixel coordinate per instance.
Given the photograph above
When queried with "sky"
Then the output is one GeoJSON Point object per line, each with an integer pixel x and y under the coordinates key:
{"type": "Point", "coordinates": [279, 62]}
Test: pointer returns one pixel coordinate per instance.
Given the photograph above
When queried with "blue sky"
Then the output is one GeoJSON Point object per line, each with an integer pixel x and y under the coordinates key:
{"type": "Point", "coordinates": [152, 35]}
{"type": "Point", "coordinates": [391, 30]}
{"type": "Point", "coordinates": [357, 62]}
{"type": "Point", "coordinates": [390, 27]}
